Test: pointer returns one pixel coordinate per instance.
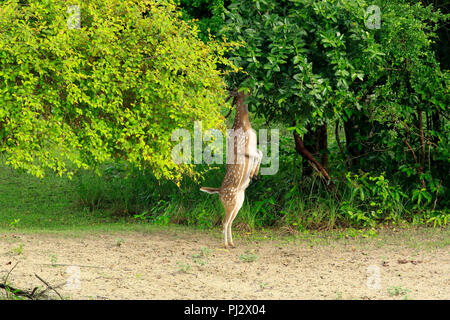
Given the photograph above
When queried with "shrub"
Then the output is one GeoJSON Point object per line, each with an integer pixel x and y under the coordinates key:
{"type": "Point", "coordinates": [115, 88]}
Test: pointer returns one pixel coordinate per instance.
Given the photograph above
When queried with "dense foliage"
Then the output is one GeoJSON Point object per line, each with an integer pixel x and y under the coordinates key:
{"type": "Point", "coordinates": [208, 15]}
{"type": "Point", "coordinates": [115, 88]}
{"type": "Point", "coordinates": [318, 63]}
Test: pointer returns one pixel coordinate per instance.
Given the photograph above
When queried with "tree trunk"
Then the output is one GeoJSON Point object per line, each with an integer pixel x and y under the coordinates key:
{"type": "Point", "coordinates": [316, 165]}
{"type": "Point", "coordinates": [436, 125]}
{"type": "Point", "coordinates": [316, 142]}
{"type": "Point", "coordinates": [354, 127]}
{"type": "Point", "coordinates": [422, 146]}
{"type": "Point", "coordinates": [308, 142]}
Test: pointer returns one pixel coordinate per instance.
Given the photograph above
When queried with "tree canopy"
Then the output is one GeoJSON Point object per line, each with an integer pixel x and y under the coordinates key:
{"type": "Point", "coordinates": [114, 88]}
{"type": "Point", "coordinates": [316, 63]}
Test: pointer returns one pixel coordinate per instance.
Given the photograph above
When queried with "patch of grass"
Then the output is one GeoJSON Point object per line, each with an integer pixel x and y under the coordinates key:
{"type": "Point", "coordinates": [264, 285]}
{"type": "Point", "coordinates": [248, 257]}
{"type": "Point", "coordinates": [183, 267]}
{"type": "Point", "coordinates": [355, 233]}
{"type": "Point", "coordinates": [397, 291]}
{"type": "Point", "coordinates": [29, 203]}
{"type": "Point", "coordinates": [10, 296]}
{"type": "Point", "coordinates": [205, 251]}
{"type": "Point", "coordinates": [200, 261]}
{"type": "Point", "coordinates": [13, 224]}
{"type": "Point", "coordinates": [18, 250]}
{"type": "Point", "coordinates": [201, 258]}
{"type": "Point", "coordinates": [53, 259]}
{"type": "Point", "coordinates": [119, 242]}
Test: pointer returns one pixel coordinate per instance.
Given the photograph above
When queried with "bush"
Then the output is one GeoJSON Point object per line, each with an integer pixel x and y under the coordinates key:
{"type": "Point", "coordinates": [115, 88]}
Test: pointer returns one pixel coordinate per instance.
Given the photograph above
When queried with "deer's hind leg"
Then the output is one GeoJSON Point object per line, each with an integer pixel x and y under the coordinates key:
{"type": "Point", "coordinates": [239, 201]}
{"type": "Point", "coordinates": [229, 207]}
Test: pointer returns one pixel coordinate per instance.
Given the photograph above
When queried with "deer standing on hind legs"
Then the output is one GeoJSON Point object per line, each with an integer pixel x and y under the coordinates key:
{"type": "Point", "coordinates": [243, 161]}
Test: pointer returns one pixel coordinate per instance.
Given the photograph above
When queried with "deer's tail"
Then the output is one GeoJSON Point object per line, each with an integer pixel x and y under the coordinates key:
{"type": "Point", "coordinates": [210, 190]}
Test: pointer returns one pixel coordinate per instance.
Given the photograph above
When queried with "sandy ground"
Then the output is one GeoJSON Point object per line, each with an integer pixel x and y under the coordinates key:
{"type": "Point", "coordinates": [192, 265]}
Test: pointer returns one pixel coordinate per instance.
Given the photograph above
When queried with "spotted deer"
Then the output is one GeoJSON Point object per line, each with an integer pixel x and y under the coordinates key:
{"type": "Point", "coordinates": [243, 162]}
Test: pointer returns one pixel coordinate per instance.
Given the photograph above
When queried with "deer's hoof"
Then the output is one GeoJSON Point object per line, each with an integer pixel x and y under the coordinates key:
{"type": "Point", "coordinates": [231, 245]}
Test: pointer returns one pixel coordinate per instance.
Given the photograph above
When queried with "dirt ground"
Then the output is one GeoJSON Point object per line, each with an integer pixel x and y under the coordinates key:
{"type": "Point", "coordinates": [192, 265]}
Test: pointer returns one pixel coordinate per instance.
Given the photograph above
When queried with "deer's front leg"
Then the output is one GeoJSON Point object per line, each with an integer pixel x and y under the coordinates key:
{"type": "Point", "coordinates": [256, 164]}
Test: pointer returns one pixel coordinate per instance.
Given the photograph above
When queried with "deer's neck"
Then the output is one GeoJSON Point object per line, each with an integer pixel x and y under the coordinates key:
{"type": "Point", "coordinates": [241, 120]}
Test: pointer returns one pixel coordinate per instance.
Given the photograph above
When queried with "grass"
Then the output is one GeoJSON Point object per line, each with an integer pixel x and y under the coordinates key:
{"type": "Point", "coordinates": [53, 259]}
{"type": "Point", "coordinates": [18, 250]}
{"type": "Point", "coordinates": [201, 258]}
{"type": "Point", "coordinates": [52, 205]}
{"type": "Point", "coordinates": [183, 267]}
{"type": "Point", "coordinates": [398, 291]}
{"type": "Point", "coordinates": [10, 296]}
{"type": "Point", "coordinates": [29, 203]}
{"type": "Point", "coordinates": [248, 257]}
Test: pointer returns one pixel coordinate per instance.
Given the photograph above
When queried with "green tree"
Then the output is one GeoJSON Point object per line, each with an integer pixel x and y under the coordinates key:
{"type": "Point", "coordinates": [208, 14]}
{"type": "Point", "coordinates": [311, 64]}
{"type": "Point", "coordinates": [115, 88]}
